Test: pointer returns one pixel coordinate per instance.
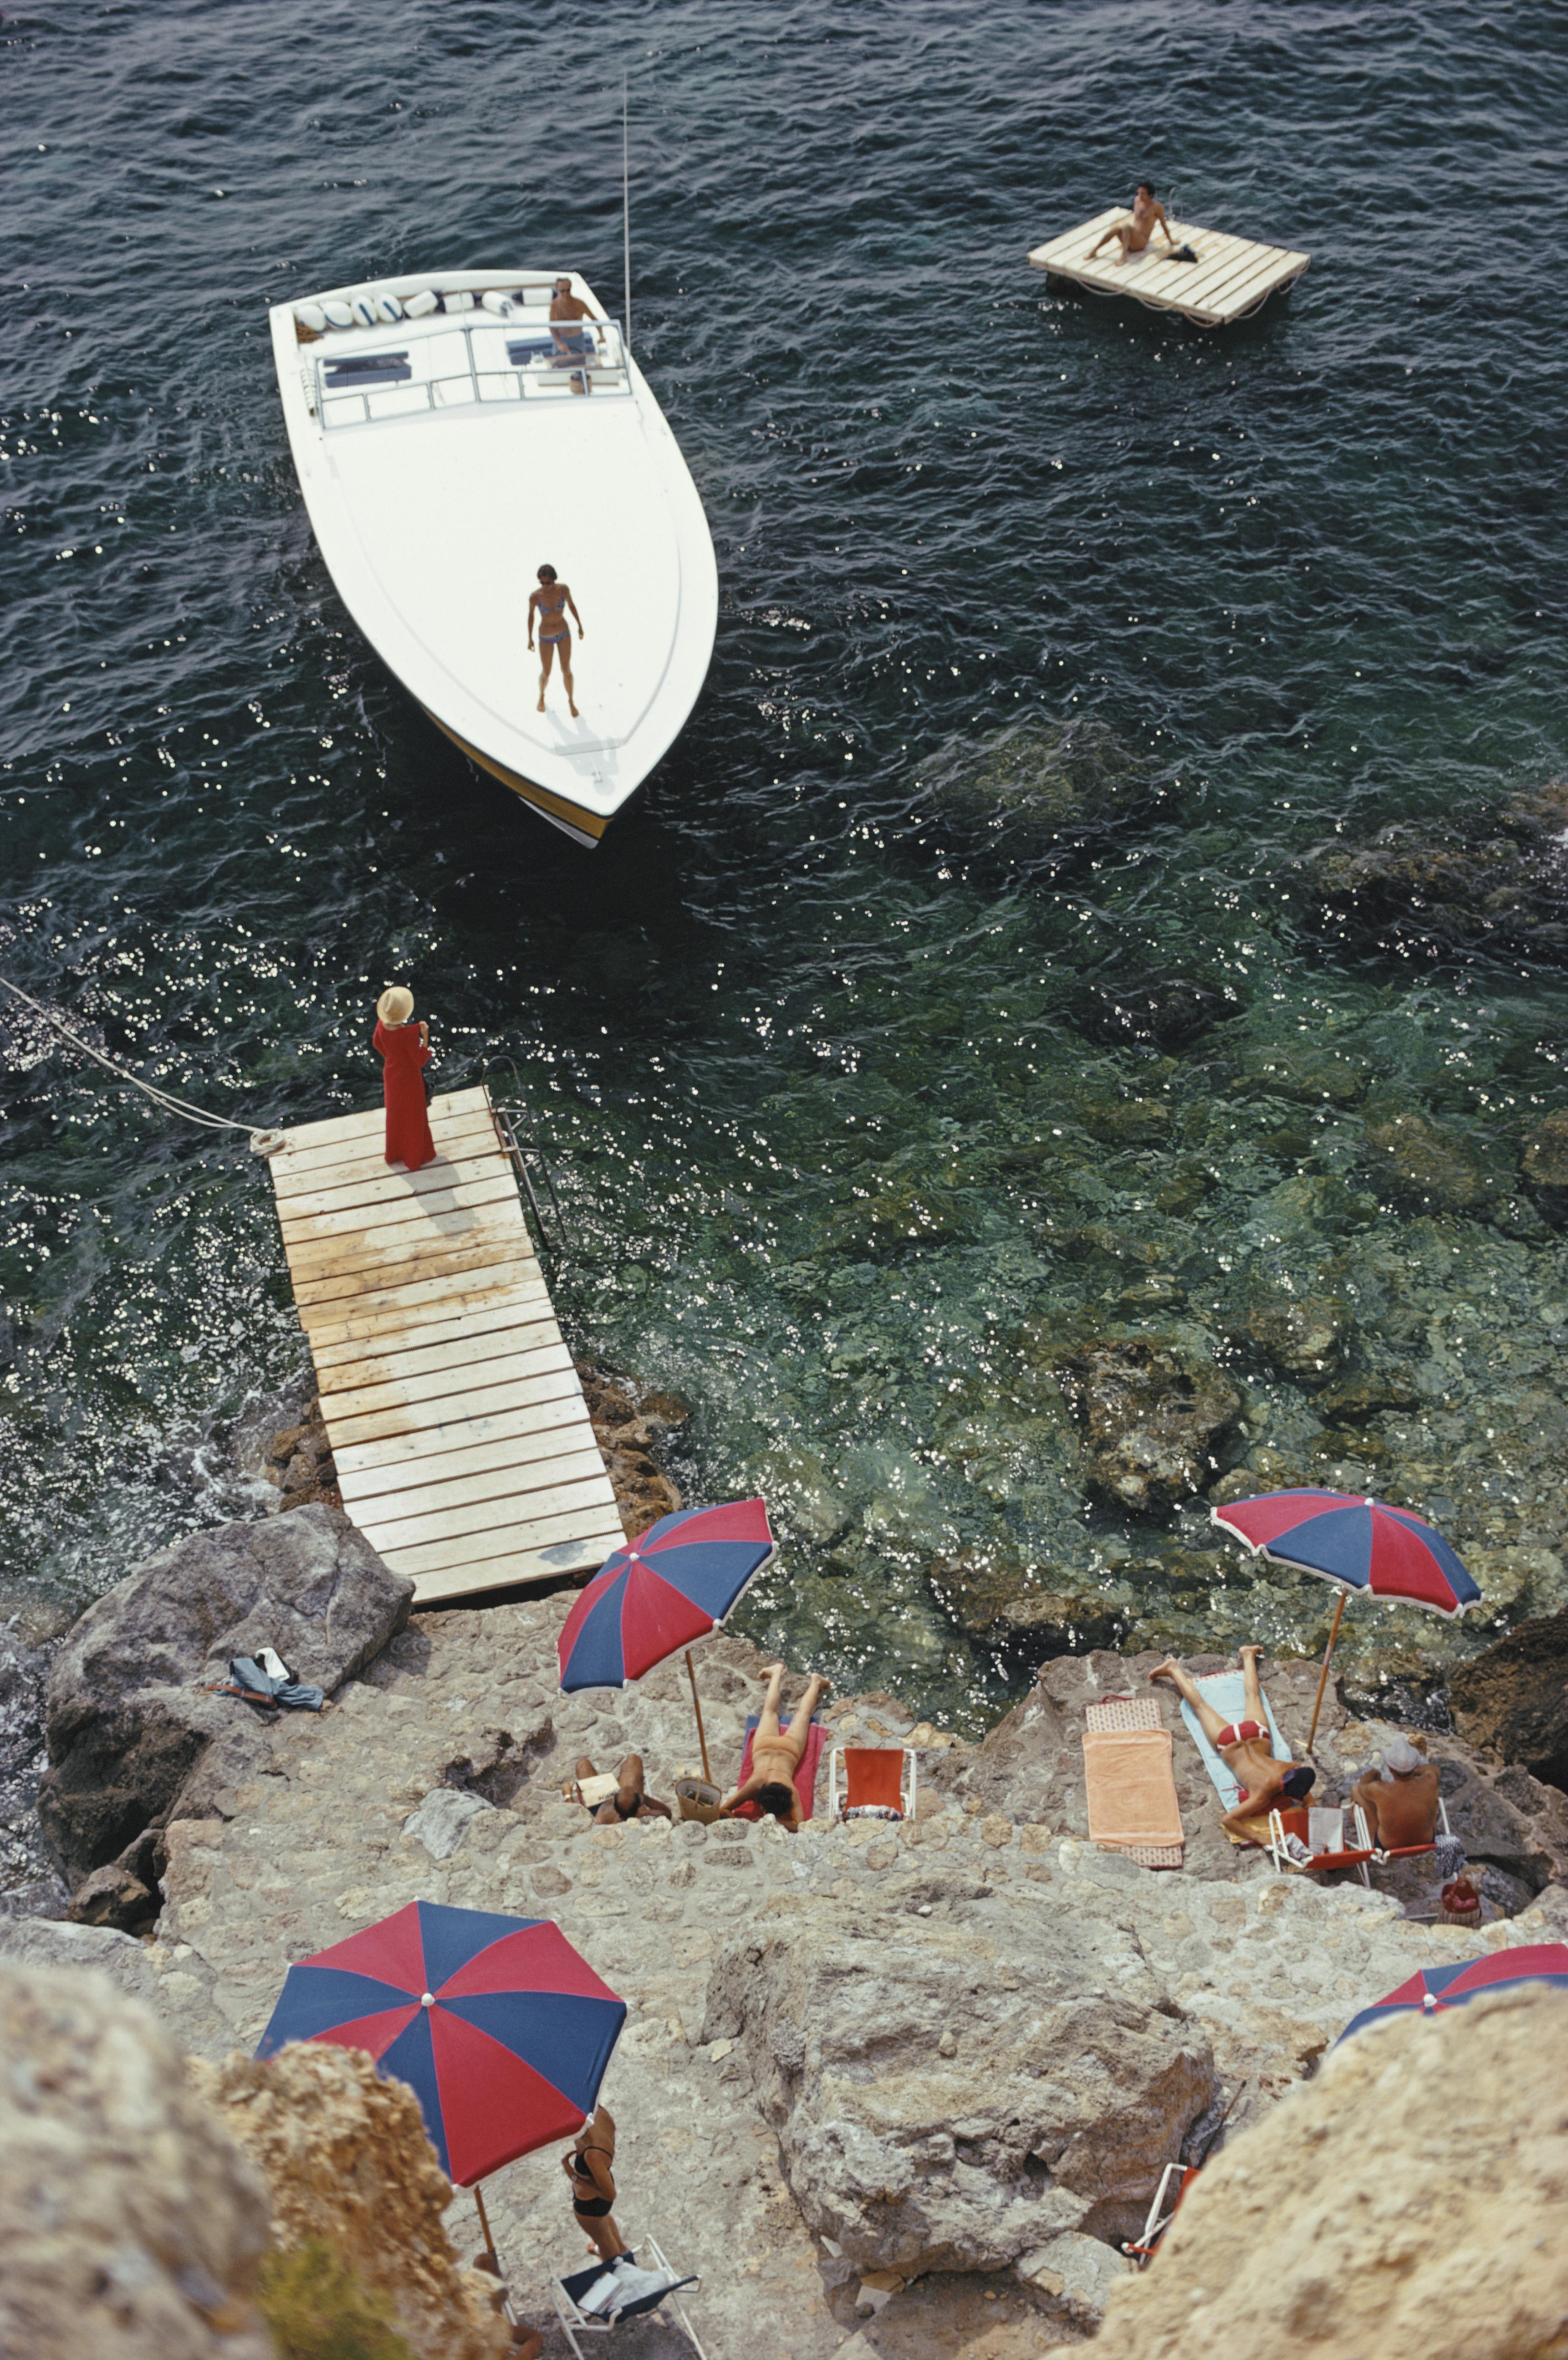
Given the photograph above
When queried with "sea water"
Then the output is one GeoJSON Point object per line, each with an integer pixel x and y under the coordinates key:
{"type": "Point", "coordinates": [855, 1149]}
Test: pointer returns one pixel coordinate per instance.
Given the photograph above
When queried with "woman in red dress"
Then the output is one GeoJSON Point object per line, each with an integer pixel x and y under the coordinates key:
{"type": "Point", "coordinates": [404, 1049]}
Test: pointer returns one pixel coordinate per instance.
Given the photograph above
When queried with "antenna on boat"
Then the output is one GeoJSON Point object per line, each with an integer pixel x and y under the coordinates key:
{"type": "Point", "coordinates": [626, 214]}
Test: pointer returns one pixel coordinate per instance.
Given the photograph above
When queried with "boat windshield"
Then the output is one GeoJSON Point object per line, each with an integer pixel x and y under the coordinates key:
{"type": "Point", "coordinates": [452, 365]}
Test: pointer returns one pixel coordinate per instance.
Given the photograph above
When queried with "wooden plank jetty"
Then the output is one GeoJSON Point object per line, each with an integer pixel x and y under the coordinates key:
{"type": "Point", "coordinates": [463, 1449]}
{"type": "Point", "coordinates": [1231, 276]}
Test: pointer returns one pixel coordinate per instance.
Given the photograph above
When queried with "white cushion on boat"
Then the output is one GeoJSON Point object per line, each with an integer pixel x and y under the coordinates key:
{"type": "Point", "coordinates": [387, 306]}
{"type": "Point", "coordinates": [363, 307]}
{"type": "Point", "coordinates": [458, 299]}
{"type": "Point", "coordinates": [337, 314]}
{"type": "Point", "coordinates": [420, 306]}
{"type": "Point", "coordinates": [311, 316]}
{"type": "Point", "coordinates": [497, 302]}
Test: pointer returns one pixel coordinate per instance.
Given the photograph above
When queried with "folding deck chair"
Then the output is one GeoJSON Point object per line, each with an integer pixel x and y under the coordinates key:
{"type": "Point", "coordinates": [1161, 2211]}
{"type": "Point", "coordinates": [1322, 1832]}
{"type": "Point", "coordinates": [569, 2295]}
{"type": "Point", "coordinates": [875, 1785]}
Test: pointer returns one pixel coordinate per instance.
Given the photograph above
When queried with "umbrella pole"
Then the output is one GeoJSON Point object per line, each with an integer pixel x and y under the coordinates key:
{"type": "Point", "coordinates": [485, 2225]}
{"type": "Point", "coordinates": [697, 1708]}
{"type": "Point", "coordinates": [1328, 1658]}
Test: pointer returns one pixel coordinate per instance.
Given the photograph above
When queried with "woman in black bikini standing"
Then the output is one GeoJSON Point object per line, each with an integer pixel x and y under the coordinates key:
{"type": "Point", "coordinates": [593, 2184]}
{"type": "Point", "coordinates": [552, 599]}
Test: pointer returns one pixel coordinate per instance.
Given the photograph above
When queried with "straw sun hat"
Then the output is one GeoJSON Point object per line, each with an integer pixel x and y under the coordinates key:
{"type": "Point", "coordinates": [396, 1004]}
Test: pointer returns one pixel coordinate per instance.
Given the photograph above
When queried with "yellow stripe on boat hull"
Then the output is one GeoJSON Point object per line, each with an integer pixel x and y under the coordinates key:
{"type": "Point", "coordinates": [587, 827]}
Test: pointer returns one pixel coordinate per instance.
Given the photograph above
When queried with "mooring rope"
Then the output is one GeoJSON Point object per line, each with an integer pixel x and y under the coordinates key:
{"type": "Point", "coordinates": [264, 1143]}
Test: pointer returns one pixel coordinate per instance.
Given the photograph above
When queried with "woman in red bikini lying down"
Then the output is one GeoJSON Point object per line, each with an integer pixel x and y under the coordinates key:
{"type": "Point", "coordinates": [1245, 1746]}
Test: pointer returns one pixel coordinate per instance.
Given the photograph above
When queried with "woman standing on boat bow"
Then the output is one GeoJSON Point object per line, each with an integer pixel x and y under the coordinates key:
{"type": "Point", "coordinates": [552, 599]}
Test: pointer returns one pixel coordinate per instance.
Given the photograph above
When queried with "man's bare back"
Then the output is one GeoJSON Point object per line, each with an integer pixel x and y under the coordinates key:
{"type": "Point", "coordinates": [1148, 215]}
{"type": "Point", "coordinates": [1401, 1805]}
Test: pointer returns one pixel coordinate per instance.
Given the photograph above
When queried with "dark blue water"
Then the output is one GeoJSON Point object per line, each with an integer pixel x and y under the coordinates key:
{"type": "Point", "coordinates": [855, 1151]}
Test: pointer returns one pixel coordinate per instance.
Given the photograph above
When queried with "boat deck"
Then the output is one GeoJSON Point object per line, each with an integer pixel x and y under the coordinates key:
{"type": "Point", "coordinates": [462, 1440]}
{"type": "Point", "coordinates": [1231, 276]}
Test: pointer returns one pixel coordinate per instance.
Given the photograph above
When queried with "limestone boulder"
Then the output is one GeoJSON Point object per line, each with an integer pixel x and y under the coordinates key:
{"type": "Point", "coordinates": [1305, 1337]}
{"type": "Point", "coordinates": [1152, 1413]}
{"type": "Point", "coordinates": [133, 1732]}
{"type": "Point", "coordinates": [29, 1877]}
{"type": "Point", "coordinates": [1031, 1765]}
{"type": "Point", "coordinates": [1498, 883]}
{"type": "Point", "coordinates": [130, 2224]}
{"type": "Point", "coordinates": [345, 2157]}
{"type": "Point", "coordinates": [1514, 1828]}
{"type": "Point", "coordinates": [1044, 792]}
{"type": "Point", "coordinates": [1413, 2198]}
{"type": "Point", "coordinates": [950, 2096]}
{"type": "Point", "coordinates": [1512, 1700]}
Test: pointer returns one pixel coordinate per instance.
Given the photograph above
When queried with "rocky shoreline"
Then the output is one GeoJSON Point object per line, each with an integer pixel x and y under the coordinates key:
{"type": "Point", "coordinates": [888, 2088]}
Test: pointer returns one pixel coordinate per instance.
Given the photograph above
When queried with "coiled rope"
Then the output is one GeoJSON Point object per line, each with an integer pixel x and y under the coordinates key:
{"type": "Point", "coordinates": [263, 1143]}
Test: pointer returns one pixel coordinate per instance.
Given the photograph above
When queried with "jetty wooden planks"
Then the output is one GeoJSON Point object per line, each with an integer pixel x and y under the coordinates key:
{"type": "Point", "coordinates": [463, 1449]}
{"type": "Point", "coordinates": [1231, 276]}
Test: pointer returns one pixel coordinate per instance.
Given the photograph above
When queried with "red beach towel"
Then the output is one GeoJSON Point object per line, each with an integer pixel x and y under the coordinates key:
{"type": "Point", "coordinates": [805, 1775]}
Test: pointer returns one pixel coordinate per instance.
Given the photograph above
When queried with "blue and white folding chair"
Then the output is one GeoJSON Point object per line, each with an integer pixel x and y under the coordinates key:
{"type": "Point", "coordinates": [571, 2293]}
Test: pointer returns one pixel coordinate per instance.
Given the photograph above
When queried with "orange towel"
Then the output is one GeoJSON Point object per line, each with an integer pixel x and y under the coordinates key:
{"type": "Point", "coordinates": [1131, 1787]}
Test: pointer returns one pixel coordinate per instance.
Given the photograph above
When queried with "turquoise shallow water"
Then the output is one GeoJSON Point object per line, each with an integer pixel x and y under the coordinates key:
{"type": "Point", "coordinates": [854, 1150]}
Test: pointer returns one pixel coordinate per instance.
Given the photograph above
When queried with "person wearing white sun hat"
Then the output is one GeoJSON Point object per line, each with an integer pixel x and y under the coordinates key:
{"type": "Point", "coordinates": [405, 1050]}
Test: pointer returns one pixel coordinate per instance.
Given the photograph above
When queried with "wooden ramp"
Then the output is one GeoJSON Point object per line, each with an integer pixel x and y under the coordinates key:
{"type": "Point", "coordinates": [462, 1445]}
{"type": "Point", "coordinates": [1231, 276]}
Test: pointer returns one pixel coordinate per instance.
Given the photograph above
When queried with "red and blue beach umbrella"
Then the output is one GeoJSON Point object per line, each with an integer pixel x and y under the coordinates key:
{"type": "Point", "coordinates": [500, 2029]}
{"type": "Point", "coordinates": [1358, 1545]}
{"type": "Point", "coordinates": [1434, 1989]}
{"type": "Point", "coordinates": [674, 1583]}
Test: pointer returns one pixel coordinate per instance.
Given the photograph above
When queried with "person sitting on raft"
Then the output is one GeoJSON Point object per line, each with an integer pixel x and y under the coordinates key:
{"type": "Point", "coordinates": [775, 1755]}
{"type": "Point", "coordinates": [1245, 1746]}
{"type": "Point", "coordinates": [1148, 215]}
{"type": "Point", "coordinates": [1399, 1801]}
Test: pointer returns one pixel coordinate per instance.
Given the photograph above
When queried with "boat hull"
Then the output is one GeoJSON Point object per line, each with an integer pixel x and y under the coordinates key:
{"type": "Point", "coordinates": [443, 460]}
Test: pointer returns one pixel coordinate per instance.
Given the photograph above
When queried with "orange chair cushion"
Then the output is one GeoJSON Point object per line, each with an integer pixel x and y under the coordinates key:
{"type": "Point", "coordinates": [874, 1776]}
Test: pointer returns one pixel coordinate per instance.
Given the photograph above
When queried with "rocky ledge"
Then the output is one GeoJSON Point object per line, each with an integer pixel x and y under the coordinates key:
{"type": "Point", "coordinates": [887, 2087]}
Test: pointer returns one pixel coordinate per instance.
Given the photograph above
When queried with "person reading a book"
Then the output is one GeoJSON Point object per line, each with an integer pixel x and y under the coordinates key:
{"type": "Point", "coordinates": [609, 1801]}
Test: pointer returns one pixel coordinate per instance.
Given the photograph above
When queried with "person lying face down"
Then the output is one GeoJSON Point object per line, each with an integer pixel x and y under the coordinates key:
{"type": "Point", "coordinates": [1398, 1795]}
{"type": "Point", "coordinates": [1246, 1747]}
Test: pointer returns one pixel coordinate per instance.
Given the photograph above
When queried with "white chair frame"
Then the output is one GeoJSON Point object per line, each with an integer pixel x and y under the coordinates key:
{"type": "Point", "coordinates": [575, 2323]}
{"type": "Point", "coordinates": [1364, 1843]}
{"type": "Point", "coordinates": [1137, 2252]}
{"type": "Point", "coordinates": [909, 1793]}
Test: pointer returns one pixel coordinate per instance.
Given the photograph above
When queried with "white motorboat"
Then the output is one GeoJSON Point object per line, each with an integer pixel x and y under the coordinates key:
{"type": "Point", "coordinates": [450, 439]}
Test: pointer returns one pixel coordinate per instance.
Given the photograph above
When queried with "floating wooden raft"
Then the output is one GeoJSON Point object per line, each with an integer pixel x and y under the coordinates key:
{"type": "Point", "coordinates": [461, 1436]}
{"type": "Point", "coordinates": [1231, 276]}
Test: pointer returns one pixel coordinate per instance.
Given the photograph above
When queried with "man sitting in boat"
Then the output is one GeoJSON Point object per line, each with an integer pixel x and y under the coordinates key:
{"type": "Point", "coordinates": [1148, 215]}
{"type": "Point", "coordinates": [574, 347]}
